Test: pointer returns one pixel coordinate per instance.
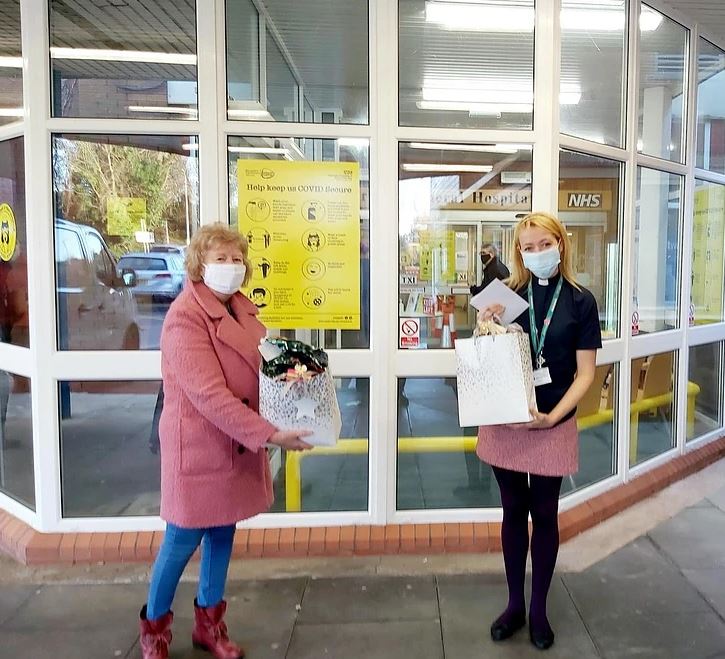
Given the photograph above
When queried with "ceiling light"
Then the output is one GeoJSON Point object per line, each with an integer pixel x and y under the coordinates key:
{"type": "Point", "coordinates": [11, 112]}
{"type": "Point", "coordinates": [354, 142]}
{"type": "Point", "coordinates": [7, 62]}
{"type": "Point", "coordinates": [106, 55]}
{"type": "Point", "coordinates": [437, 167]}
{"type": "Point", "coordinates": [475, 108]}
{"type": "Point", "coordinates": [266, 150]}
{"type": "Point", "coordinates": [481, 148]}
{"type": "Point", "coordinates": [193, 146]}
{"type": "Point", "coordinates": [248, 114]}
{"type": "Point", "coordinates": [163, 109]}
{"type": "Point", "coordinates": [484, 17]}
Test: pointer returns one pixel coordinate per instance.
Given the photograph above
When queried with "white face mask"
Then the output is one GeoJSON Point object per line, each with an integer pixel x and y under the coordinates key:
{"type": "Point", "coordinates": [224, 278]}
{"type": "Point", "coordinates": [542, 264]}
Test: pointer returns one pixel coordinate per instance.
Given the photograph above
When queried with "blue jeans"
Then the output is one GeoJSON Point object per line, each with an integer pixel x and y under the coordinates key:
{"type": "Point", "coordinates": [178, 547]}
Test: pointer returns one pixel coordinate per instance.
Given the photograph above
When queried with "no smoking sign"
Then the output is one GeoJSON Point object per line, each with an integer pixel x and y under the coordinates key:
{"type": "Point", "coordinates": [409, 333]}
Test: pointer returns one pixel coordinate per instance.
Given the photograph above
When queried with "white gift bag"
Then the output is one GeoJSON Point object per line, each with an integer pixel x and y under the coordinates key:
{"type": "Point", "coordinates": [495, 380]}
{"type": "Point", "coordinates": [302, 405]}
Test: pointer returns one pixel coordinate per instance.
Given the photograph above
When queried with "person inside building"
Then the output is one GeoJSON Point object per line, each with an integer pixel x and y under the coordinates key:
{"type": "Point", "coordinates": [530, 459]}
{"type": "Point", "coordinates": [214, 467]}
{"type": "Point", "coordinates": [492, 267]}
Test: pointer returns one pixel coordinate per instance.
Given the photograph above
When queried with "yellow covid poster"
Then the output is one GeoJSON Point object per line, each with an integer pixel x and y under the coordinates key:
{"type": "Point", "coordinates": [708, 238]}
{"type": "Point", "coordinates": [302, 222]}
{"type": "Point", "coordinates": [438, 255]}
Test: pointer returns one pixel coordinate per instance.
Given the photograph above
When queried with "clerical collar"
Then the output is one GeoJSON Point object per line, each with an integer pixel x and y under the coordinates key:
{"type": "Point", "coordinates": [545, 282]}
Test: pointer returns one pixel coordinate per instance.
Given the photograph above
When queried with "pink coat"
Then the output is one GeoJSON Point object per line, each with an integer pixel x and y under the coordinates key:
{"type": "Point", "coordinates": [214, 469]}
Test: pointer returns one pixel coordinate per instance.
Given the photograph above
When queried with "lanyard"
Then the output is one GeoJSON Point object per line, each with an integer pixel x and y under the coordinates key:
{"type": "Point", "coordinates": [536, 340]}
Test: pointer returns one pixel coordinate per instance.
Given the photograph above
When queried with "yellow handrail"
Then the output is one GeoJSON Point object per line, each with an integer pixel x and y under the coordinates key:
{"type": "Point", "coordinates": [465, 444]}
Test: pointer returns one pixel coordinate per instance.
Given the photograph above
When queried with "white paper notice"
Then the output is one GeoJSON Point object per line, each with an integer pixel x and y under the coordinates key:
{"type": "Point", "coordinates": [498, 293]}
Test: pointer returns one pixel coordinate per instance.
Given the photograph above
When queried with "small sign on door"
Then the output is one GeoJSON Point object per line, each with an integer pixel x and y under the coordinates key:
{"type": "Point", "coordinates": [409, 333]}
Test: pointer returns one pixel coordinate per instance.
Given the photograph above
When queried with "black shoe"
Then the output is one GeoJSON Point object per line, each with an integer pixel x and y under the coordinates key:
{"type": "Point", "coordinates": [503, 629]}
{"type": "Point", "coordinates": [542, 640]}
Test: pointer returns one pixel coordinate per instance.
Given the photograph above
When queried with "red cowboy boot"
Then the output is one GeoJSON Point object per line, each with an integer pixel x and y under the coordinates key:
{"type": "Point", "coordinates": [210, 632]}
{"type": "Point", "coordinates": [155, 635]}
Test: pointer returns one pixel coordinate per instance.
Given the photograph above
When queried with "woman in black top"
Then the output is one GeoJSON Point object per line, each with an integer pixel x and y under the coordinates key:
{"type": "Point", "coordinates": [530, 459]}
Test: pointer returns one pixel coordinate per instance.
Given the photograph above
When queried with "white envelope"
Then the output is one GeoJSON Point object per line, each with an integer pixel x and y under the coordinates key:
{"type": "Point", "coordinates": [498, 293]}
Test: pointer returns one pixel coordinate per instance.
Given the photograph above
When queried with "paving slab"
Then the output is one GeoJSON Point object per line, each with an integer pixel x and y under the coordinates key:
{"type": "Point", "coordinates": [718, 499]}
{"type": "Point", "coordinates": [711, 585]}
{"type": "Point", "coordinates": [112, 642]}
{"type": "Point", "coordinates": [369, 600]}
{"type": "Point", "coordinates": [693, 538]}
{"type": "Point", "coordinates": [635, 578]}
{"type": "Point", "coordinates": [13, 597]}
{"type": "Point", "coordinates": [470, 603]}
{"type": "Point", "coordinates": [418, 639]}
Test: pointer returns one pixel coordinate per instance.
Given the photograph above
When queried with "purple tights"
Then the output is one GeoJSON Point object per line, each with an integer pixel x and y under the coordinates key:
{"type": "Point", "coordinates": [522, 494]}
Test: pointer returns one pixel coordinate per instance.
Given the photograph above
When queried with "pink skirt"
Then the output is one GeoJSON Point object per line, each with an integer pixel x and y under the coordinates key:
{"type": "Point", "coordinates": [548, 452]}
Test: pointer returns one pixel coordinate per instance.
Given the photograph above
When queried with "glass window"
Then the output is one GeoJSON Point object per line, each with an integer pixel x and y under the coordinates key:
{"type": "Point", "coordinates": [437, 462]}
{"type": "Point", "coordinates": [11, 64]}
{"type": "Point", "coordinates": [329, 479]}
{"type": "Point", "coordinates": [467, 65]}
{"type": "Point", "coordinates": [17, 479]}
{"type": "Point", "coordinates": [663, 55]}
{"type": "Point", "coordinates": [109, 448]}
{"type": "Point", "coordinates": [710, 107]}
{"type": "Point", "coordinates": [298, 61]}
{"type": "Point", "coordinates": [657, 249]}
{"type": "Point", "coordinates": [14, 317]}
{"type": "Point", "coordinates": [708, 260]}
{"type": "Point", "coordinates": [454, 200]}
{"type": "Point", "coordinates": [115, 198]}
{"type": "Point", "coordinates": [127, 59]}
{"type": "Point", "coordinates": [110, 453]}
{"type": "Point", "coordinates": [652, 411]}
{"type": "Point", "coordinates": [303, 205]}
{"type": "Point", "coordinates": [589, 205]}
{"type": "Point", "coordinates": [282, 86]}
{"type": "Point", "coordinates": [593, 47]}
{"type": "Point", "coordinates": [704, 390]}
{"type": "Point", "coordinates": [596, 418]}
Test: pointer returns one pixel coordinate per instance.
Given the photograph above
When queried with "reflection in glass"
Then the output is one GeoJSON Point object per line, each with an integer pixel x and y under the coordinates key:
{"type": "Point", "coordinates": [708, 260]}
{"type": "Point", "coordinates": [322, 83]}
{"type": "Point", "coordinates": [125, 208]}
{"type": "Point", "coordinates": [597, 422]}
{"type": "Point", "coordinates": [14, 316]}
{"type": "Point", "coordinates": [109, 448]}
{"type": "Point", "coordinates": [652, 412]}
{"type": "Point", "coordinates": [656, 258]}
{"type": "Point", "coordinates": [466, 65]}
{"type": "Point", "coordinates": [454, 200]}
{"type": "Point", "coordinates": [282, 86]}
{"type": "Point", "coordinates": [704, 390]}
{"type": "Point", "coordinates": [310, 252]}
{"type": "Point", "coordinates": [595, 58]}
{"type": "Point", "coordinates": [710, 107]}
{"type": "Point", "coordinates": [329, 479]}
{"type": "Point", "coordinates": [129, 59]}
{"type": "Point", "coordinates": [11, 64]}
{"type": "Point", "coordinates": [437, 463]}
{"type": "Point", "coordinates": [17, 479]}
{"type": "Point", "coordinates": [589, 206]}
{"type": "Point", "coordinates": [663, 53]}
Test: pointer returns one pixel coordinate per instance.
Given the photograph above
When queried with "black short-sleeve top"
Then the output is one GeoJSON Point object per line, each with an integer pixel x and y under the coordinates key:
{"type": "Point", "coordinates": [574, 326]}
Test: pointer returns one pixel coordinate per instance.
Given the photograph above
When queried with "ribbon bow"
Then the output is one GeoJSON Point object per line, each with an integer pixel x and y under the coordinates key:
{"type": "Point", "coordinates": [297, 374]}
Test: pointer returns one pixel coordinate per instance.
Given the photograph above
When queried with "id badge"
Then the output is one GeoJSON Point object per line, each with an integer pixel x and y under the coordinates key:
{"type": "Point", "coordinates": [542, 376]}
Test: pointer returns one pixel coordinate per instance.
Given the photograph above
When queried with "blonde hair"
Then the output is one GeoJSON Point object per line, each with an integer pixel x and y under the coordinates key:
{"type": "Point", "coordinates": [520, 275]}
{"type": "Point", "coordinates": [211, 236]}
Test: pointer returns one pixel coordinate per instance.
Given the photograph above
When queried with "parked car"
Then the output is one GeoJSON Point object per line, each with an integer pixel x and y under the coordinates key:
{"type": "Point", "coordinates": [159, 275]}
{"type": "Point", "coordinates": [96, 310]}
{"type": "Point", "coordinates": [170, 249]}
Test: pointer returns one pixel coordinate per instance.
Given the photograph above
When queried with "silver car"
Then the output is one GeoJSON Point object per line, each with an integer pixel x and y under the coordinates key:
{"type": "Point", "coordinates": [159, 276]}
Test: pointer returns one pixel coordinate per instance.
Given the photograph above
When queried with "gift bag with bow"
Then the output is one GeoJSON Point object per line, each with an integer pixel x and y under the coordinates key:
{"type": "Point", "coordinates": [296, 390]}
{"type": "Point", "coordinates": [494, 376]}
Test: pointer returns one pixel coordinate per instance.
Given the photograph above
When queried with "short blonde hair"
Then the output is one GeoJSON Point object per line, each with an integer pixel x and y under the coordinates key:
{"type": "Point", "coordinates": [519, 273]}
{"type": "Point", "coordinates": [211, 236]}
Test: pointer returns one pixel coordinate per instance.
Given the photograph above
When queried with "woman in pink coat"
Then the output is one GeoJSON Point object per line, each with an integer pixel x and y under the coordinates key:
{"type": "Point", "coordinates": [214, 468]}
